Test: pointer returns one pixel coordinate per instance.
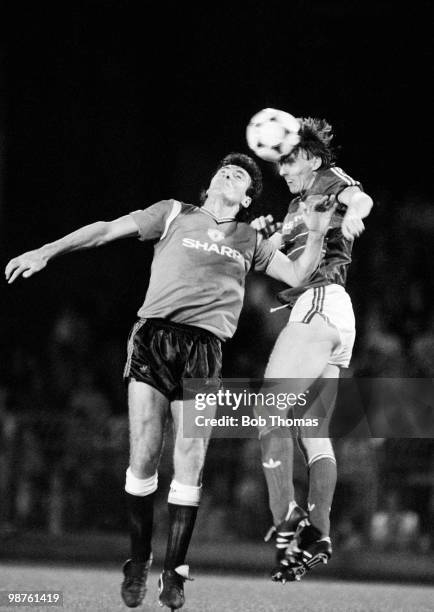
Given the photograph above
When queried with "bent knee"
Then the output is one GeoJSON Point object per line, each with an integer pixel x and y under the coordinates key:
{"type": "Point", "coordinates": [317, 447]}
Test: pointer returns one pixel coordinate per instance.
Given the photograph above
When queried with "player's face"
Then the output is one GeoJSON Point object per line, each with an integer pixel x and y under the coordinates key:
{"type": "Point", "coordinates": [231, 182]}
{"type": "Point", "coordinates": [298, 171]}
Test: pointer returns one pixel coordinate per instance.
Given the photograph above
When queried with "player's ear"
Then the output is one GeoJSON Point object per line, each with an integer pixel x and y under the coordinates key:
{"type": "Point", "coordinates": [316, 162]}
{"type": "Point", "coordinates": [246, 201]}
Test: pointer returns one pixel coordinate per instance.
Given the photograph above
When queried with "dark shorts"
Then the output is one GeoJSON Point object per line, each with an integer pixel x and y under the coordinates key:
{"type": "Point", "coordinates": [162, 353]}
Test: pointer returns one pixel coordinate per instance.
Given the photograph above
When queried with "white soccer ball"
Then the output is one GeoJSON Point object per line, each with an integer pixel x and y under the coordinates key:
{"type": "Point", "coordinates": [272, 133]}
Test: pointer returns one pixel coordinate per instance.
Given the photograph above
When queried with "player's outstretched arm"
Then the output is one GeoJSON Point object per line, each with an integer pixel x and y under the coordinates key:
{"type": "Point", "coordinates": [317, 214]}
{"type": "Point", "coordinates": [93, 235]}
{"type": "Point", "coordinates": [359, 206]}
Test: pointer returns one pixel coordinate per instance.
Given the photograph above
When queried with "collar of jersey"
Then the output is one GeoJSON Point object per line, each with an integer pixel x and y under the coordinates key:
{"type": "Point", "coordinates": [216, 219]}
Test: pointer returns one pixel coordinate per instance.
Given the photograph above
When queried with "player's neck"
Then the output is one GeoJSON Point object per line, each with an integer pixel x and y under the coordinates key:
{"type": "Point", "coordinates": [220, 208]}
{"type": "Point", "coordinates": [310, 182]}
{"type": "Point", "coordinates": [306, 187]}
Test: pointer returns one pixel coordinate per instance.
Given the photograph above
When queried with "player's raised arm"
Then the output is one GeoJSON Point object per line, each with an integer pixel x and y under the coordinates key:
{"type": "Point", "coordinates": [93, 235]}
{"type": "Point", "coordinates": [318, 211]}
{"type": "Point", "coordinates": [359, 206]}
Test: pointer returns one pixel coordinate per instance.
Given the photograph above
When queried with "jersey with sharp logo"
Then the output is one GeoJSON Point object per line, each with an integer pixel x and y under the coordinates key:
{"type": "Point", "coordinates": [199, 266]}
{"type": "Point", "coordinates": [337, 249]}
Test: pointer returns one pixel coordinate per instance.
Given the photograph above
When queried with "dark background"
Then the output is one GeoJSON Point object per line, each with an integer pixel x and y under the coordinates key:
{"type": "Point", "coordinates": [107, 107]}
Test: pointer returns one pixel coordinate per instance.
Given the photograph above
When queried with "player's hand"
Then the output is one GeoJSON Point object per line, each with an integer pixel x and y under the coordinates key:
{"type": "Point", "coordinates": [25, 265]}
{"type": "Point", "coordinates": [352, 225]}
{"type": "Point", "coordinates": [266, 225]}
{"type": "Point", "coordinates": [317, 212]}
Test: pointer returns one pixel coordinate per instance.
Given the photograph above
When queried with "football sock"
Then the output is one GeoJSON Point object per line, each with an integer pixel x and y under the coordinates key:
{"type": "Point", "coordinates": [278, 462]}
{"type": "Point", "coordinates": [322, 482]}
{"type": "Point", "coordinates": [140, 508]}
{"type": "Point", "coordinates": [183, 503]}
{"type": "Point", "coordinates": [140, 517]}
{"type": "Point", "coordinates": [181, 524]}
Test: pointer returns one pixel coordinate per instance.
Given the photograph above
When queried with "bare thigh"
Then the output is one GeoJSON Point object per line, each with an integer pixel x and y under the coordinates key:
{"type": "Point", "coordinates": [148, 411]}
{"type": "Point", "coordinates": [302, 352]}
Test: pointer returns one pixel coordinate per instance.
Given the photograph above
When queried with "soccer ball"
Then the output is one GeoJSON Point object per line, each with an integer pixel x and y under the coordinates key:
{"type": "Point", "coordinates": [272, 133]}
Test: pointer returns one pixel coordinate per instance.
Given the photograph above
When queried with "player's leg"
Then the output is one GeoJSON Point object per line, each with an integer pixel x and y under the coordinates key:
{"type": "Point", "coordinates": [148, 409]}
{"type": "Point", "coordinates": [301, 354]}
{"type": "Point", "coordinates": [319, 453]}
{"type": "Point", "coordinates": [314, 539]}
{"type": "Point", "coordinates": [185, 489]}
{"type": "Point", "coordinates": [183, 504]}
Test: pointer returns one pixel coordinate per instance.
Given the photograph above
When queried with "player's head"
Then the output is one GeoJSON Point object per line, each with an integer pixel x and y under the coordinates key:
{"type": "Point", "coordinates": [239, 179]}
{"type": "Point", "coordinates": [313, 152]}
{"type": "Point", "coordinates": [248, 165]}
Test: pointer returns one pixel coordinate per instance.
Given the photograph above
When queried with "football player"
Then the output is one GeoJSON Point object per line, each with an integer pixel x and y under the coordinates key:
{"type": "Point", "coordinates": [201, 257]}
{"type": "Point", "coordinates": [315, 344]}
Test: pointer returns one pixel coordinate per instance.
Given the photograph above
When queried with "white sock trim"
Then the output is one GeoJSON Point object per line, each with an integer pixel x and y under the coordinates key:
{"type": "Point", "coordinates": [184, 495]}
{"type": "Point", "coordinates": [140, 486]}
{"type": "Point", "coordinates": [319, 456]}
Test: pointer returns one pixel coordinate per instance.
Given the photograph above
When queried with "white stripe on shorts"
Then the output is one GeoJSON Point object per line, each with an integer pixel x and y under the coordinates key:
{"type": "Point", "coordinates": [332, 303]}
{"type": "Point", "coordinates": [137, 325]}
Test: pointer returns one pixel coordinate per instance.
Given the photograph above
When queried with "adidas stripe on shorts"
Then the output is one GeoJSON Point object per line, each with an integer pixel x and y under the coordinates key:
{"type": "Point", "coordinates": [333, 303]}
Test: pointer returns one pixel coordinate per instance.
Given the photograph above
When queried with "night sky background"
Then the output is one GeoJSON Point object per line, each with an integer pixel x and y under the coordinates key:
{"type": "Point", "coordinates": [110, 106]}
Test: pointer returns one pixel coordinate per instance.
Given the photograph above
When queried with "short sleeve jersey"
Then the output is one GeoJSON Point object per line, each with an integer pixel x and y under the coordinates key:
{"type": "Point", "coordinates": [199, 266]}
{"type": "Point", "coordinates": [337, 249]}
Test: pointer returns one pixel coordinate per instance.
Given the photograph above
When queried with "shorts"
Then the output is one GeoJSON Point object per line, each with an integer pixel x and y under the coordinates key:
{"type": "Point", "coordinates": [333, 303]}
{"type": "Point", "coordinates": [161, 354]}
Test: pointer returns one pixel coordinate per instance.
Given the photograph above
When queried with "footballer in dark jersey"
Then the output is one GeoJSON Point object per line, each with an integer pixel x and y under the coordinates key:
{"type": "Point", "coordinates": [201, 257]}
{"type": "Point", "coordinates": [314, 345]}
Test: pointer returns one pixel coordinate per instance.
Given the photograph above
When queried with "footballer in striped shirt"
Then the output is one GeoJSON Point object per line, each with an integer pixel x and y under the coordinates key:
{"type": "Point", "coordinates": [312, 348]}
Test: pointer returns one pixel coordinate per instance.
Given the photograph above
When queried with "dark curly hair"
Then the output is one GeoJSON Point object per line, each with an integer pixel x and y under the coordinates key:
{"type": "Point", "coordinates": [315, 138]}
{"type": "Point", "coordinates": [255, 189]}
{"type": "Point", "coordinates": [250, 166]}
